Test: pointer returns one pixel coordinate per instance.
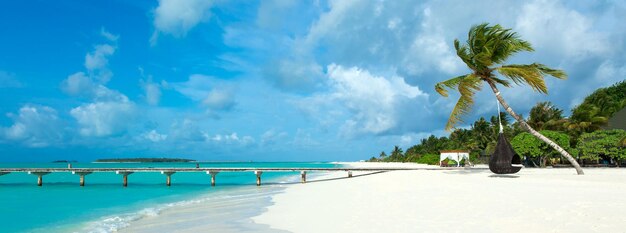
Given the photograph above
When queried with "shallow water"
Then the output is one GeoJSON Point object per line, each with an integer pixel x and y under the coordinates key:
{"type": "Point", "coordinates": [103, 205]}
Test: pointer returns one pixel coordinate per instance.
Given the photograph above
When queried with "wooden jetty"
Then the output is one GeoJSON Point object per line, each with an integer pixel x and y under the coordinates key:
{"type": "Point", "coordinates": [168, 172]}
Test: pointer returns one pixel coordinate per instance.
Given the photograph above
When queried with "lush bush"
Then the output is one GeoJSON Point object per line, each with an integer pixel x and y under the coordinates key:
{"type": "Point", "coordinates": [603, 142]}
{"type": "Point", "coordinates": [525, 144]}
{"type": "Point", "coordinates": [430, 159]}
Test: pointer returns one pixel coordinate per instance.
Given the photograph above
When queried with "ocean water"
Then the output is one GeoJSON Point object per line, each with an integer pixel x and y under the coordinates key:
{"type": "Point", "coordinates": [104, 205]}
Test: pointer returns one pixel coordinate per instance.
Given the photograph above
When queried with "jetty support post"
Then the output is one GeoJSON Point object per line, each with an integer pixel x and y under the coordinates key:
{"type": "Point", "coordinates": [82, 176]}
{"type": "Point", "coordinates": [39, 176]}
{"type": "Point", "coordinates": [125, 175]}
{"type": "Point", "coordinates": [168, 177]}
{"type": "Point", "coordinates": [349, 174]}
{"type": "Point", "coordinates": [258, 177]}
{"type": "Point", "coordinates": [213, 173]}
{"type": "Point", "coordinates": [303, 177]}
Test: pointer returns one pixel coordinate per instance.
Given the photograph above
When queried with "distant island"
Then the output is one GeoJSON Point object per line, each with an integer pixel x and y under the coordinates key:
{"type": "Point", "coordinates": [144, 160]}
{"type": "Point", "coordinates": [64, 161]}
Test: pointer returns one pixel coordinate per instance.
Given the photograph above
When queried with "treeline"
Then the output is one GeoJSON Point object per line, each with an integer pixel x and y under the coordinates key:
{"type": "Point", "coordinates": [582, 134]}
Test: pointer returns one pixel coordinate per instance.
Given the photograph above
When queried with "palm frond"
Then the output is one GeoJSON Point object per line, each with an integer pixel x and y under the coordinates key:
{"type": "Point", "coordinates": [463, 53]}
{"type": "Point", "coordinates": [452, 83]}
{"type": "Point", "coordinates": [532, 74]}
{"type": "Point", "coordinates": [467, 87]}
{"type": "Point", "coordinates": [501, 81]}
{"type": "Point", "coordinates": [488, 45]}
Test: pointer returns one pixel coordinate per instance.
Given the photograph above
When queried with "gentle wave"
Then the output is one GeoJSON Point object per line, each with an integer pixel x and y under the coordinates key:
{"type": "Point", "coordinates": [115, 223]}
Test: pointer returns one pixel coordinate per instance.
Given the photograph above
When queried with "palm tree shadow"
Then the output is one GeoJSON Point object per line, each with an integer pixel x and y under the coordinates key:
{"type": "Point", "coordinates": [503, 176]}
{"type": "Point", "coordinates": [331, 179]}
{"type": "Point", "coordinates": [341, 178]}
{"type": "Point", "coordinates": [466, 171]}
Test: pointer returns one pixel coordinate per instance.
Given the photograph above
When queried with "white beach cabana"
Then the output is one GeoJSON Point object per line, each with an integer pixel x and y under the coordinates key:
{"type": "Point", "coordinates": [456, 155]}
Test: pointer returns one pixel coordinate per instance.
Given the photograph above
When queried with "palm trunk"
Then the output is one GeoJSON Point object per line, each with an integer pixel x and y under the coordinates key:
{"type": "Point", "coordinates": [525, 125]}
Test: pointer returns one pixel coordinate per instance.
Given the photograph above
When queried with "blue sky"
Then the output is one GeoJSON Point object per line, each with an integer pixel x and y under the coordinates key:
{"type": "Point", "coordinates": [272, 80]}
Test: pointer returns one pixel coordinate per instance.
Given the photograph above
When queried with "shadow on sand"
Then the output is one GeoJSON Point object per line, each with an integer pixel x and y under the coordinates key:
{"type": "Point", "coordinates": [503, 176]}
{"type": "Point", "coordinates": [331, 179]}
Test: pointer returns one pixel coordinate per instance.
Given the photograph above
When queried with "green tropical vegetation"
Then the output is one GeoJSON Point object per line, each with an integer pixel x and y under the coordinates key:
{"type": "Point", "coordinates": [591, 147]}
{"type": "Point", "coordinates": [485, 52]}
{"type": "Point", "coordinates": [537, 151]}
{"type": "Point", "coordinates": [603, 144]}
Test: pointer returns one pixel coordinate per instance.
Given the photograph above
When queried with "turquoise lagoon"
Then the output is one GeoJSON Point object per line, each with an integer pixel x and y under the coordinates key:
{"type": "Point", "coordinates": [103, 205]}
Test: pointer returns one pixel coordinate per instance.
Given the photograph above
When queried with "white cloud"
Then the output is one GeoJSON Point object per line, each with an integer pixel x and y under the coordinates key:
{"type": "Point", "coordinates": [232, 138]}
{"type": "Point", "coordinates": [79, 84]}
{"type": "Point", "coordinates": [272, 136]}
{"type": "Point", "coordinates": [177, 17]}
{"type": "Point", "coordinates": [34, 126]}
{"type": "Point", "coordinates": [8, 80]}
{"type": "Point", "coordinates": [577, 39]}
{"type": "Point", "coordinates": [219, 99]}
{"type": "Point", "coordinates": [187, 130]}
{"type": "Point", "coordinates": [294, 75]}
{"type": "Point", "coordinates": [152, 91]}
{"type": "Point", "coordinates": [215, 94]}
{"type": "Point", "coordinates": [109, 36]}
{"type": "Point", "coordinates": [110, 111]}
{"type": "Point", "coordinates": [154, 136]}
{"type": "Point", "coordinates": [375, 103]}
{"type": "Point", "coordinates": [97, 61]}
{"type": "Point", "coordinates": [104, 118]}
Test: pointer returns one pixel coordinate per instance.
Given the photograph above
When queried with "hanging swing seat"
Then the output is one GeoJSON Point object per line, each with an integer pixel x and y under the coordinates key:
{"type": "Point", "coordinates": [504, 159]}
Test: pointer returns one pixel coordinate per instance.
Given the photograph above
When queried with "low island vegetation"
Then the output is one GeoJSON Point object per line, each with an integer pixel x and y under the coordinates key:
{"type": "Point", "coordinates": [144, 160]}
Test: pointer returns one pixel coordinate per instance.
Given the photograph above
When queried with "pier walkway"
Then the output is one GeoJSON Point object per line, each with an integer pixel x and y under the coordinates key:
{"type": "Point", "coordinates": [168, 172]}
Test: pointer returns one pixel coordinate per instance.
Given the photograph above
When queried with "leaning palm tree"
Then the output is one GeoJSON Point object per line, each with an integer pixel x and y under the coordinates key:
{"type": "Point", "coordinates": [487, 48]}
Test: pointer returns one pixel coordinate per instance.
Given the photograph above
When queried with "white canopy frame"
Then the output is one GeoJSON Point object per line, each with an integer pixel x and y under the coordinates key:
{"type": "Point", "coordinates": [457, 156]}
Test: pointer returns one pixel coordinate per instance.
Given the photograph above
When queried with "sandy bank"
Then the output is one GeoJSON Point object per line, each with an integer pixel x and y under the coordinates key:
{"type": "Point", "coordinates": [534, 200]}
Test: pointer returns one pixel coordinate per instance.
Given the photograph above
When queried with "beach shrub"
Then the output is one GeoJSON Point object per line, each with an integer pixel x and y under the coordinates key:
{"type": "Point", "coordinates": [525, 144]}
{"type": "Point", "coordinates": [430, 159]}
{"type": "Point", "coordinates": [603, 142]}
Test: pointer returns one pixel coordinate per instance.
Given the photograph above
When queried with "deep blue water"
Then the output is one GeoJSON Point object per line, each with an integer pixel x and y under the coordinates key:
{"type": "Point", "coordinates": [61, 205]}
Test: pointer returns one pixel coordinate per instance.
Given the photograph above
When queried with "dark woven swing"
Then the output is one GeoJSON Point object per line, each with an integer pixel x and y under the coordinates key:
{"type": "Point", "coordinates": [504, 159]}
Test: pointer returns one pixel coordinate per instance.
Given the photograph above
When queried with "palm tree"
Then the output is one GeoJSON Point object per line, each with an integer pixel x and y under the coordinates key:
{"type": "Point", "coordinates": [396, 154]}
{"type": "Point", "coordinates": [487, 48]}
{"type": "Point", "coordinates": [546, 116]}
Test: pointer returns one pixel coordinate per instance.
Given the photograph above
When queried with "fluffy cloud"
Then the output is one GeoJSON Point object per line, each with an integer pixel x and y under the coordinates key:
{"type": "Point", "coordinates": [97, 61]}
{"type": "Point", "coordinates": [104, 118]}
{"type": "Point", "coordinates": [153, 136]}
{"type": "Point", "coordinates": [232, 138]}
{"type": "Point", "coordinates": [375, 104]}
{"type": "Point", "coordinates": [215, 94]}
{"type": "Point", "coordinates": [176, 17]}
{"type": "Point", "coordinates": [379, 35]}
{"type": "Point", "coordinates": [34, 126]}
{"type": "Point", "coordinates": [577, 40]}
{"type": "Point", "coordinates": [188, 131]}
{"type": "Point", "coordinates": [79, 84]}
{"type": "Point", "coordinates": [219, 99]}
{"type": "Point", "coordinates": [110, 111]}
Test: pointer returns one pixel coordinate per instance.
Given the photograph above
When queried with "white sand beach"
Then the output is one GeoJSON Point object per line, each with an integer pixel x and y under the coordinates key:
{"type": "Point", "coordinates": [474, 200]}
{"type": "Point", "coordinates": [534, 200]}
